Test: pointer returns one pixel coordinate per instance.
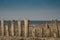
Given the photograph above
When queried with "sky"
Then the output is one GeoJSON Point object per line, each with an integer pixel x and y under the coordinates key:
{"type": "Point", "coordinates": [30, 9]}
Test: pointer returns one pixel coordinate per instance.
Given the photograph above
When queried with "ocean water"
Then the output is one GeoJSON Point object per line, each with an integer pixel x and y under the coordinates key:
{"type": "Point", "coordinates": [30, 22]}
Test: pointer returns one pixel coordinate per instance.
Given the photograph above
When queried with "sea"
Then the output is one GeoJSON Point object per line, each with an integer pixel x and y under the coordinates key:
{"type": "Point", "coordinates": [30, 22]}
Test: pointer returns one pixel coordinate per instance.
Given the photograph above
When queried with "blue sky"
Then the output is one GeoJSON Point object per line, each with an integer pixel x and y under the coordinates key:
{"type": "Point", "coordinates": [30, 9]}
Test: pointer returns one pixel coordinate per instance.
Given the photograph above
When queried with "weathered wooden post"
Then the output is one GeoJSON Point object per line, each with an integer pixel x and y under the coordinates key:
{"type": "Point", "coordinates": [7, 32]}
{"type": "Point", "coordinates": [19, 27]}
{"type": "Point", "coordinates": [47, 33]}
{"type": "Point", "coordinates": [40, 32]}
{"type": "Point", "coordinates": [12, 27]}
{"type": "Point", "coordinates": [2, 26]}
{"type": "Point", "coordinates": [26, 27]}
{"type": "Point", "coordinates": [33, 32]}
{"type": "Point", "coordinates": [55, 35]}
{"type": "Point", "coordinates": [55, 26]}
{"type": "Point", "coordinates": [47, 30]}
{"type": "Point", "coordinates": [54, 23]}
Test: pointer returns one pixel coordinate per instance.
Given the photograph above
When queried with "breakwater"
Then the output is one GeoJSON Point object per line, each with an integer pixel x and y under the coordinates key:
{"type": "Point", "coordinates": [30, 32]}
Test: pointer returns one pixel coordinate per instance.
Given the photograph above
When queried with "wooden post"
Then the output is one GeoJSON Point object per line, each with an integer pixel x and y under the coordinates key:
{"type": "Point", "coordinates": [2, 26]}
{"type": "Point", "coordinates": [26, 27]}
{"type": "Point", "coordinates": [47, 33]}
{"type": "Point", "coordinates": [55, 35]}
{"type": "Point", "coordinates": [47, 30]}
{"type": "Point", "coordinates": [12, 27]}
{"type": "Point", "coordinates": [54, 23]}
{"type": "Point", "coordinates": [33, 32]}
{"type": "Point", "coordinates": [40, 31]}
{"type": "Point", "coordinates": [7, 32]}
{"type": "Point", "coordinates": [19, 27]}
